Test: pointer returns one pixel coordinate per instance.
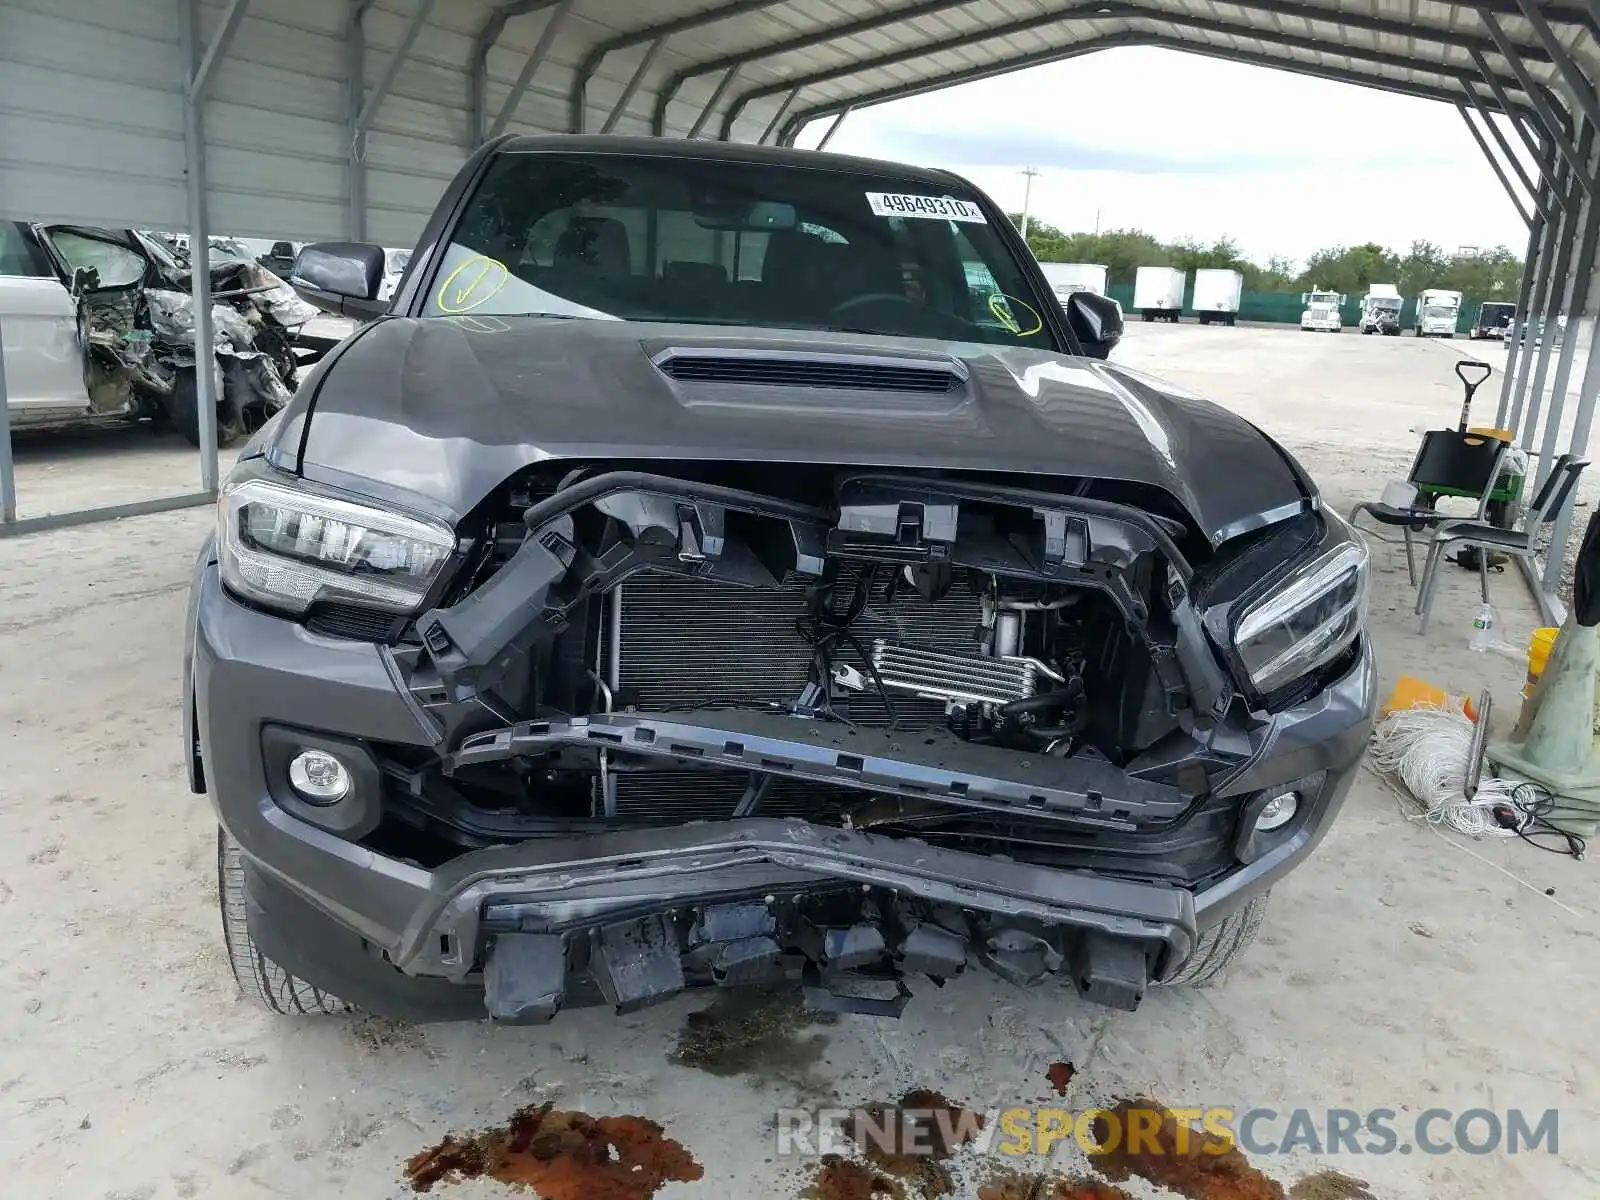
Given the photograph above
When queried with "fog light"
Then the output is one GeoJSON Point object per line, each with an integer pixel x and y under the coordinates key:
{"type": "Point", "coordinates": [319, 777]}
{"type": "Point", "coordinates": [1279, 811]}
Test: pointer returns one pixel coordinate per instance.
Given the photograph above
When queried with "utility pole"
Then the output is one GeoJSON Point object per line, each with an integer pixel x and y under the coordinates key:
{"type": "Point", "coordinates": [1027, 198]}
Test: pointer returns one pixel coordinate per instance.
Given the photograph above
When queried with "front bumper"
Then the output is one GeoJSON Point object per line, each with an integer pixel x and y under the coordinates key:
{"type": "Point", "coordinates": [376, 929]}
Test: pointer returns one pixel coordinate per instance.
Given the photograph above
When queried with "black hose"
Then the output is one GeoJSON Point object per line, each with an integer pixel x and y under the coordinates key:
{"type": "Point", "coordinates": [1068, 693]}
{"type": "Point", "coordinates": [586, 491]}
{"type": "Point", "coordinates": [1050, 733]}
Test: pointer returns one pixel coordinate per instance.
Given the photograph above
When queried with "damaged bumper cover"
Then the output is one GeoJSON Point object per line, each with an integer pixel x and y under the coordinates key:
{"type": "Point", "coordinates": [643, 912]}
{"type": "Point", "coordinates": [665, 887]}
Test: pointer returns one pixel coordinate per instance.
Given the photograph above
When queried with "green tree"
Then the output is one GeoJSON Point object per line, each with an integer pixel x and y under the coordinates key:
{"type": "Point", "coordinates": [1481, 275]}
{"type": "Point", "coordinates": [1350, 270]}
{"type": "Point", "coordinates": [1423, 267]}
{"type": "Point", "coordinates": [1277, 276]}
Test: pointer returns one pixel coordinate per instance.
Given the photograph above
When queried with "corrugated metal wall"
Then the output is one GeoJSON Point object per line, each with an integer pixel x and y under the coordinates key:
{"type": "Point", "coordinates": [91, 116]}
{"type": "Point", "coordinates": [91, 112]}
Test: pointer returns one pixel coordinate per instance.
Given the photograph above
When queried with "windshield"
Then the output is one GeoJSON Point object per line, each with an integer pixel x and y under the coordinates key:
{"type": "Point", "coordinates": [1439, 310]}
{"type": "Point", "coordinates": [115, 265]}
{"type": "Point", "coordinates": [1323, 300]}
{"type": "Point", "coordinates": [657, 238]}
{"type": "Point", "coordinates": [1385, 303]}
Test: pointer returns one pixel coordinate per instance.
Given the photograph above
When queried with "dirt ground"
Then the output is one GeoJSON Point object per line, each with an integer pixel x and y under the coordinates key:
{"type": "Point", "coordinates": [1396, 970]}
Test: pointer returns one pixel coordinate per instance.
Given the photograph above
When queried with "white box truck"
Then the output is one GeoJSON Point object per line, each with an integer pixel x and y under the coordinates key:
{"type": "Point", "coordinates": [1066, 278]}
{"type": "Point", "coordinates": [1437, 311]}
{"type": "Point", "coordinates": [1216, 295]}
{"type": "Point", "coordinates": [1380, 309]}
{"type": "Point", "coordinates": [1158, 293]}
{"type": "Point", "coordinates": [1321, 312]}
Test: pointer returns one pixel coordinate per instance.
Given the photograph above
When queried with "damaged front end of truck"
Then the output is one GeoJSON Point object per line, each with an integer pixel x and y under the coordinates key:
{"type": "Point", "coordinates": [734, 723]}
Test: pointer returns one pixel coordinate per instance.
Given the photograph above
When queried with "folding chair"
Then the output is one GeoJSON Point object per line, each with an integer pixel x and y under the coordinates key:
{"type": "Point", "coordinates": [1520, 542]}
{"type": "Point", "coordinates": [1448, 460]}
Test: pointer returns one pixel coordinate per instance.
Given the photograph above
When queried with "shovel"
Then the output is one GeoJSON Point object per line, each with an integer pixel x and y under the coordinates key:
{"type": "Point", "coordinates": [1465, 369]}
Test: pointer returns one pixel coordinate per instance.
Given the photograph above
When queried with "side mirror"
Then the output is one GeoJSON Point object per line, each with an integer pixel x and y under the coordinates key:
{"type": "Point", "coordinates": [341, 277]}
{"type": "Point", "coordinates": [1096, 321]}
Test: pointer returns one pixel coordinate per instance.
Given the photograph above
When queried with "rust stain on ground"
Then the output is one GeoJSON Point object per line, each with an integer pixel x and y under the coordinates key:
{"type": "Point", "coordinates": [562, 1156]}
{"type": "Point", "coordinates": [903, 1145]}
{"type": "Point", "coordinates": [1330, 1185]}
{"type": "Point", "coordinates": [845, 1179]}
{"type": "Point", "coordinates": [1006, 1183]}
{"type": "Point", "coordinates": [912, 1140]}
{"type": "Point", "coordinates": [1060, 1075]}
{"type": "Point", "coordinates": [1207, 1167]}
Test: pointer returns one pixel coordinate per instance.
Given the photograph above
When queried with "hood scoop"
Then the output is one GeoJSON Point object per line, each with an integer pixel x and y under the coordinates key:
{"type": "Point", "coordinates": [805, 369]}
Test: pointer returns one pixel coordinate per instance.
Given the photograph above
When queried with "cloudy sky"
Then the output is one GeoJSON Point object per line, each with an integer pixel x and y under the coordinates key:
{"type": "Point", "coordinates": [1183, 146]}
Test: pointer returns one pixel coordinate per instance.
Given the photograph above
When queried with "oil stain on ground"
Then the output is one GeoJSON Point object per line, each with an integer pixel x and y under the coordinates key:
{"type": "Point", "coordinates": [904, 1148]}
{"type": "Point", "coordinates": [1330, 1185]}
{"type": "Point", "coordinates": [765, 1032]}
{"type": "Point", "coordinates": [1197, 1164]}
{"type": "Point", "coordinates": [561, 1156]}
{"type": "Point", "coordinates": [1007, 1183]}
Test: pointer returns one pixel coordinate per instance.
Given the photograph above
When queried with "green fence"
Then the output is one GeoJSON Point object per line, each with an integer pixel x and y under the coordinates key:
{"type": "Point", "coordinates": [1284, 308]}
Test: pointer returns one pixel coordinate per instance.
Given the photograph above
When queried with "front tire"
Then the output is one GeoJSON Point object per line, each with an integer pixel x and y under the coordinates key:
{"type": "Point", "coordinates": [1218, 946]}
{"type": "Point", "coordinates": [183, 408]}
{"type": "Point", "coordinates": [263, 982]}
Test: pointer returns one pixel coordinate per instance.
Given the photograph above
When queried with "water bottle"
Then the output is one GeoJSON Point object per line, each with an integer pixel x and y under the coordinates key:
{"type": "Point", "coordinates": [1483, 628]}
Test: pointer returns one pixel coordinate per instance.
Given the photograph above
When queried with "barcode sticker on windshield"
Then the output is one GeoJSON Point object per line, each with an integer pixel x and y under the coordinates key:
{"type": "Point", "coordinates": [939, 208]}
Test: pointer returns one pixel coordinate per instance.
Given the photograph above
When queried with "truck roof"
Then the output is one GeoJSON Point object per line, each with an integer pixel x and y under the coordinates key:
{"type": "Point", "coordinates": [679, 148]}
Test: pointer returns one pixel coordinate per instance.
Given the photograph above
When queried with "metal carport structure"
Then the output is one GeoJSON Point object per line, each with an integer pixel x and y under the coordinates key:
{"type": "Point", "coordinates": [306, 119]}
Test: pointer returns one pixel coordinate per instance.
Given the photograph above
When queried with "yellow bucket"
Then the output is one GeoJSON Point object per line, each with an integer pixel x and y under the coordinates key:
{"type": "Point", "coordinates": [1539, 646]}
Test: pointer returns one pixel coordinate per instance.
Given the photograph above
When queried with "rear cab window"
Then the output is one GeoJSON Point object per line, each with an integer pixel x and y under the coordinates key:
{"type": "Point", "coordinates": [723, 242]}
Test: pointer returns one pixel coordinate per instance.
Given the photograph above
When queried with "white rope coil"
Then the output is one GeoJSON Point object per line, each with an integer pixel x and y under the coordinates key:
{"type": "Point", "coordinates": [1426, 748]}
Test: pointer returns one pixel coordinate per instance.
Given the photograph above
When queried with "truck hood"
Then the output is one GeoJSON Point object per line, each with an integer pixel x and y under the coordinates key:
{"type": "Point", "coordinates": [448, 408]}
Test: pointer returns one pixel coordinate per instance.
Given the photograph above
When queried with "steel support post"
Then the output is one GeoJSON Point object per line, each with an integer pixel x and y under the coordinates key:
{"type": "Point", "coordinates": [1582, 424]}
{"type": "Point", "coordinates": [1573, 215]}
{"type": "Point", "coordinates": [355, 65]}
{"type": "Point", "coordinates": [777, 119]}
{"type": "Point", "coordinates": [717, 94]}
{"type": "Point", "coordinates": [1512, 160]}
{"type": "Point", "coordinates": [1582, 87]}
{"type": "Point", "coordinates": [1536, 241]}
{"type": "Point", "coordinates": [1576, 158]}
{"type": "Point", "coordinates": [634, 83]}
{"type": "Point", "coordinates": [194, 146]}
{"type": "Point", "coordinates": [1549, 251]}
{"type": "Point", "coordinates": [536, 57]}
{"type": "Point", "coordinates": [8, 473]}
{"type": "Point", "coordinates": [833, 129]}
{"type": "Point", "coordinates": [1574, 298]}
{"type": "Point", "coordinates": [1494, 165]}
{"type": "Point", "coordinates": [391, 71]}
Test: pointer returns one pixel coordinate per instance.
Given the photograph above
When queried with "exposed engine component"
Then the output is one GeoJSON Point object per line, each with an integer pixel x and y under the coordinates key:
{"type": "Point", "coordinates": [967, 678]}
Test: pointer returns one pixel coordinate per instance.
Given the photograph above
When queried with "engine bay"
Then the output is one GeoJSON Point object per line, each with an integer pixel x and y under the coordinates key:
{"type": "Point", "coordinates": [899, 653]}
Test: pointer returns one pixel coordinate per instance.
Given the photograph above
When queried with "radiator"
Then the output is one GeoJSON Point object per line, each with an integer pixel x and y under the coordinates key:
{"type": "Point", "coordinates": [688, 642]}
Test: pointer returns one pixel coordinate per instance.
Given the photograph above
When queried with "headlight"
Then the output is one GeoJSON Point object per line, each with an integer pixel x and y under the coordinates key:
{"type": "Point", "coordinates": [287, 549]}
{"type": "Point", "coordinates": [1308, 622]}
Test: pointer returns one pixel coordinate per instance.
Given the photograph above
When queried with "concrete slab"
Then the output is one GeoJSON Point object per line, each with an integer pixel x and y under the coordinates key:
{"type": "Point", "coordinates": [1398, 970]}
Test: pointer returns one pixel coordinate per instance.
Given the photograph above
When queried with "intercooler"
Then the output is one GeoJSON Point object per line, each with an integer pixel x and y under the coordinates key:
{"type": "Point", "coordinates": [690, 643]}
